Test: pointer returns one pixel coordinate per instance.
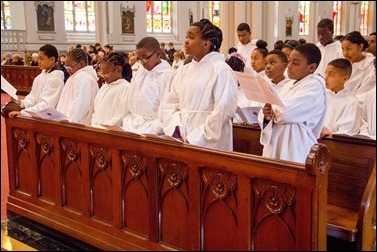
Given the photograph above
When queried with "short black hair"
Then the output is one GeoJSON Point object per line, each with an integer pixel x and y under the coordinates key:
{"type": "Point", "coordinates": [310, 51]}
{"type": "Point", "coordinates": [243, 27]}
{"type": "Point", "coordinates": [342, 64]}
{"type": "Point", "coordinates": [50, 51]}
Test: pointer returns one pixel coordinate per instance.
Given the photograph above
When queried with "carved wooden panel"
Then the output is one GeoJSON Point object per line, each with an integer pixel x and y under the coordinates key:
{"type": "Point", "coordinates": [135, 192]}
{"type": "Point", "coordinates": [21, 77]}
{"type": "Point", "coordinates": [219, 210]}
{"type": "Point", "coordinates": [24, 179]}
{"type": "Point", "coordinates": [72, 176]}
{"type": "Point", "coordinates": [48, 175]}
{"type": "Point", "coordinates": [173, 203]}
{"type": "Point", "coordinates": [273, 212]}
{"type": "Point", "coordinates": [100, 184]}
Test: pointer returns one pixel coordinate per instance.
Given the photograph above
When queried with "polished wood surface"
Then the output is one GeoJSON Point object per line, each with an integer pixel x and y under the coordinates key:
{"type": "Point", "coordinates": [121, 191]}
{"type": "Point", "coordinates": [21, 77]}
{"type": "Point", "coordinates": [352, 184]}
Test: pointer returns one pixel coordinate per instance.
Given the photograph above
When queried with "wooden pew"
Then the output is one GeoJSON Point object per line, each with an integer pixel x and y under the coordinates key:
{"type": "Point", "coordinates": [352, 184]}
{"type": "Point", "coordinates": [122, 191]}
{"type": "Point", "coordinates": [21, 77]}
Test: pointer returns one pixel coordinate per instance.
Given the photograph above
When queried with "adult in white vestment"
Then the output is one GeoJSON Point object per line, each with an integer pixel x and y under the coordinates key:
{"type": "Point", "coordinates": [203, 96]}
{"type": "Point", "coordinates": [110, 101]}
{"type": "Point", "coordinates": [289, 133]}
{"type": "Point", "coordinates": [147, 89]}
{"type": "Point", "coordinates": [47, 86]}
{"type": "Point", "coordinates": [330, 49]}
{"type": "Point", "coordinates": [363, 76]}
{"type": "Point", "coordinates": [77, 98]}
{"type": "Point", "coordinates": [343, 110]}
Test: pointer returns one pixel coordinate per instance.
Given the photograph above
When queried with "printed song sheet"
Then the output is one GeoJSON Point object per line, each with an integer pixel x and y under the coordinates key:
{"type": "Point", "coordinates": [258, 89]}
{"type": "Point", "coordinates": [48, 113]}
{"type": "Point", "coordinates": [8, 88]}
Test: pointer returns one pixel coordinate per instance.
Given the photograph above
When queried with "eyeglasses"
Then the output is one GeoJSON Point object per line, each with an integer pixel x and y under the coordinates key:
{"type": "Point", "coordinates": [145, 60]}
{"type": "Point", "coordinates": [108, 74]}
{"type": "Point", "coordinates": [71, 66]}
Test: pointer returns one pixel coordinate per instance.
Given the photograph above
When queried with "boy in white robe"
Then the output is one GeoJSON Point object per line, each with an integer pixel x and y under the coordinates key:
{"type": "Point", "coordinates": [203, 96]}
{"type": "Point", "coordinates": [245, 45]}
{"type": "Point", "coordinates": [148, 85]}
{"type": "Point", "coordinates": [47, 86]}
{"type": "Point", "coordinates": [77, 98]}
{"type": "Point", "coordinates": [330, 49]}
{"type": "Point", "coordinates": [110, 101]}
{"type": "Point", "coordinates": [343, 110]}
{"type": "Point", "coordinates": [289, 133]}
{"type": "Point", "coordinates": [276, 64]}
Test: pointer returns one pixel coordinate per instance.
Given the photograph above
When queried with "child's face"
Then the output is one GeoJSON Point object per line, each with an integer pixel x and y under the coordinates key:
{"type": "Point", "coordinates": [352, 51]}
{"type": "Point", "coordinates": [324, 35]}
{"type": "Point", "coordinates": [274, 67]}
{"type": "Point", "coordinates": [258, 62]}
{"type": "Point", "coordinates": [148, 59]}
{"type": "Point", "coordinates": [335, 78]}
{"type": "Point", "coordinates": [298, 66]}
{"type": "Point", "coordinates": [45, 62]}
{"type": "Point", "coordinates": [244, 36]}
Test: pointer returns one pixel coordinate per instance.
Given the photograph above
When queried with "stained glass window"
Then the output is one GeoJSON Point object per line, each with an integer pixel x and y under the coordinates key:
{"type": "Point", "coordinates": [79, 16]}
{"type": "Point", "coordinates": [5, 16]}
{"type": "Point", "coordinates": [159, 16]}
{"type": "Point", "coordinates": [337, 15]}
{"type": "Point", "coordinates": [214, 12]}
{"type": "Point", "coordinates": [303, 17]}
{"type": "Point", "coordinates": [364, 17]}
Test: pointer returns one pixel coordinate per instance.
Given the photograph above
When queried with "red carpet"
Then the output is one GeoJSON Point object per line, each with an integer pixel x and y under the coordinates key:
{"type": "Point", "coordinates": [4, 162]}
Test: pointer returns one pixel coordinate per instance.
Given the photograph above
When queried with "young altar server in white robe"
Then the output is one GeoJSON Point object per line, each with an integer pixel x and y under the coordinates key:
{"type": "Point", "coordinates": [147, 89]}
{"type": "Point", "coordinates": [289, 133]}
{"type": "Point", "coordinates": [330, 49]}
{"type": "Point", "coordinates": [368, 112]}
{"type": "Point", "coordinates": [276, 64]}
{"type": "Point", "coordinates": [77, 98]}
{"type": "Point", "coordinates": [363, 77]}
{"type": "Point", "coordinates": [110, 101]}
{"type": "Point", "coordinates": [203, 96]}
{"type": "Point", "coordinates": [47, 86]}
{"type": "Point", "coordinates": [343, 110]}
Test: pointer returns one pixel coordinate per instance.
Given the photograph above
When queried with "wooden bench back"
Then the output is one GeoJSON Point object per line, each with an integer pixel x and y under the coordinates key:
{"type": "Point", "coordinates": [121, 191]}
{"type": "Point", "coordinates": [21, 77]}
{"type": "Point", "coordinates": [353, 162]}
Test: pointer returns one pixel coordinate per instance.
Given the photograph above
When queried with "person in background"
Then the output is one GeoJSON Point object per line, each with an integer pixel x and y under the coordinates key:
{"type": "Point", "coordinates": [171, 52]}
{"type": "Point", "coordinates": [34, 59]}
{"type": "Point", "coordinates": [199, 107]}
{"type": "Point", "coordinates": [276, 65]}
{"type": "Point", "coordinates": [77, 98]}
{"type": "Point", "coordinates": [178, 62]}
{"type": "Point", "coordinates": [289, 133]}
{"type": "Point", "coordinates": [108, 49]}
{"type": "Point", "coordinates": [258, 58]}
{"type": "Point", "coordinates": [110, 103]}
{"type": "Point", "coordinates": [363, 77]}
{"type": "Point", "coordinates": [372, 44]}
{"type": "Point", "coordinates": [6, 59]}
{"type": "Point", "coordinates": [17, 60]}
{"type": "Point", "coordinates": [245, 45]}
{"type": "Point", "coordinates": [47, 86]}
{"type": "Point", "coordinates": [330, 49]}
{"type": "Point", "coordinates": [147, 89]}
{"type": "Point", "coordinates": [343, 111]}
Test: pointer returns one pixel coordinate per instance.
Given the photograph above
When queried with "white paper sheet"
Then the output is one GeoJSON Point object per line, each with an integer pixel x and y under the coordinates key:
{"type": "Point", "coordinates": [48, 113]}
{"type": "Point", "coordinates": [258, 89]}
{"type": "Point", "coordinates": [8, 88]}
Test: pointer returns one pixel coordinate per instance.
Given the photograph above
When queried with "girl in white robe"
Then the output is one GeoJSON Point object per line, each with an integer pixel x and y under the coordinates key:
{"type": "Point", "coordinates": [203, 96]}
{"type": "Point", "coordinates": [289, 133]}
{"type": "Point", "coordinates": [363, 76]}
{"type": "Point", "coordinates": [148, 85]}
{"type": "Point", "coordinates": [77, 98]}
{"type": "Point", "coordinates": [110, 101]}
{"type": "Point", "coordinates": [47, 86]}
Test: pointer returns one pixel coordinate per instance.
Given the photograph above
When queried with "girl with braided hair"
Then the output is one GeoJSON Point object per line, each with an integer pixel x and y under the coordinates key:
{"type": "Point", "coordinates": [77, 98]}
{"type": "Point", "coordinates": [202, 100]}
{"type": "Point", "coordinates": [109, 104]}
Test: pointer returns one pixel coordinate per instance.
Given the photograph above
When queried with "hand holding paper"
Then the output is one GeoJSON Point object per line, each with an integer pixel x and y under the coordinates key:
{"type": "Point", "coordinates": [258, 89]}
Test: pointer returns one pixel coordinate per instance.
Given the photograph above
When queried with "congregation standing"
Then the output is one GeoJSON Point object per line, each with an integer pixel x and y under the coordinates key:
{"type": "Point", "coordinates": [326, 88]}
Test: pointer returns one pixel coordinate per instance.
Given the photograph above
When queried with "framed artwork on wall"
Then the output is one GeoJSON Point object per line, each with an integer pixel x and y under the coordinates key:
{"type": "Point", "coordinates": [45, 16]}
{"type": "Point", "coordinates": [128, 19]}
